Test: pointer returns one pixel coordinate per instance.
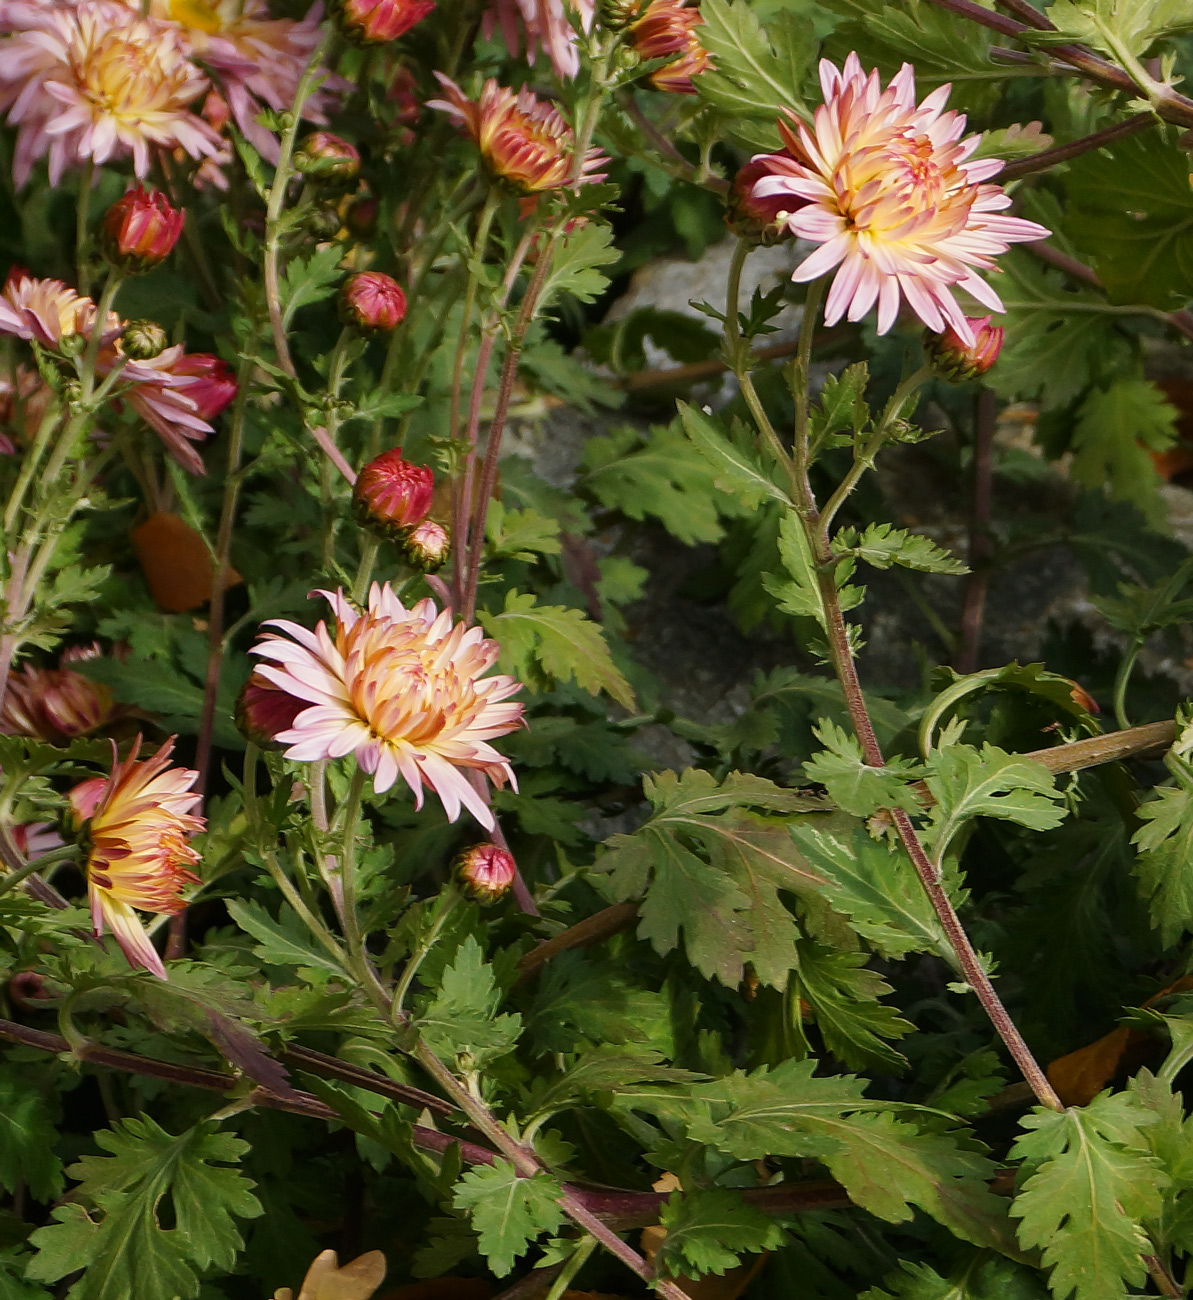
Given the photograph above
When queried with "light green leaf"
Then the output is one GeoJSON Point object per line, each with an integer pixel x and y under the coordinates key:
{"type": "Point", "coordinates": [541, 644]}
{"type": "Point", "coordinates": [1116, 427]}
{"type": "Point", "coordinates": [508, 1211]}
{"type": "Point", "coordinates": [736, 469]}
{"type": "Point", "coordinates": [576, 262]}
{"type": "Point", "coordinates": [1164, 867]}
{"type": "Point", "coordinates": [121, 1244]}
{"type": "Point", "coordinates": [1094, 1184]}
{"type": "Point", "coordinates": [279, 943]}
{"type": "Point", "coordinates": [310, 279]}
{"type": "Point", "coordinates": [853, 785]}
{"type": "Point", "coordinates": [709, 1231]}
{"type": "Point", "coordinates": [1112, 25]}
{"type": "Point", "coordinates": [462, 1015]}
{"type": "Point", "coordinates": [982, 1277]}
{"type": "Point", "coordinates": [521, 534]}
{"type": "Point", "coordinates": [882, 545]}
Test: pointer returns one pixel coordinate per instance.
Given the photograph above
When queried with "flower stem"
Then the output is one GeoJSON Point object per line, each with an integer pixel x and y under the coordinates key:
{"type": "Point", "coordinates": [82, 213]}
{"type": "Point", "coordinates": [579, 1258]}
{"type": "Point", "coordinates": [445, 903]}
{"type": "Point", "coordinates": [350, 813]}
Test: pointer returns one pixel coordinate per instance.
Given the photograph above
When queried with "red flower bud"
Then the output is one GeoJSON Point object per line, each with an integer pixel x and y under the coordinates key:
{"type": "Point", "coordinates": [373, 302]}
{"type": "Point", "coordinates": [361, 217]}
{"type": "Point", "coordinates": [392, 495]}
{"type": "Point", "coordinates": [748, 215]}
{"type": "Point", "coordinates": [370, 22]}
{"type": "Point", "coordinates": [327, 157]}
{"type": "Point", "coordinates": [427, 545]}
{"type": "Point", "coordinates": [958, 361]}
{"type": "Point", "coordinates": [140, 229]}
{"type": "Point", "coordinates": [56, 704]}
{"type": "Point", "coordinates": [214, 386]}
{"type": "Point", "coordinates": [263, 710]}
{"type": "Point", "coordinates": [486, 872]}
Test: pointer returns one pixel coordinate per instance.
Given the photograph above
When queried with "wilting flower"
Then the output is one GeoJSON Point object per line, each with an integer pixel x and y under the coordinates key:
{"type": "Point", "coordinates": [391, 494]}
{"type": "Point", "coordinates": [956, 360]}
{"type": "Point", "coordinates": [140, 229]}
{"type": "Point", "coordinates": [56, 704]}
{"type": "Point", "coordinates": [325, 1280]}
{"type": "Point", "coordinates": [486, 872]}
{"type": "Point", "coordinates": [95, 80]}
{"type": "Point", "coordinates": [403, 690]}
{"type": "Point", "coordinates": [427, 545]}
{"type": "Point", "coordinates": [887, 190]}
{"type": "Point", "coordinates": [667, 30]}
{"type": "Point", "coordinates": [263, 711]}
{"type": "Point", "coordinates": [750, 216]}
{"type": "Point", "coordinates": [138, 821]}
{"type": "Point", "coordinates": [373, 302]}
{"type": "Point", "coordinates": [377, 21]}
{"type": "Point", "coordinates": [521, 138]}
{"type": "Point", "coordinates": [547, 25]}
{"type": "Point", "coordinates": [327, 157]}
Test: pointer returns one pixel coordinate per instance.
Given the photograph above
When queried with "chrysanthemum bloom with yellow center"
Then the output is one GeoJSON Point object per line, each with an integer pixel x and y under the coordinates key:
{"type": "Point", "coordinates": [256, 59]}
{"type": "Point", "coordinates": [548, 24]}
{"type": "Point", "coordinates": [96, 81]}
{"type": "Point", "coordinates": [403, 690]}
{"type": "Point", "coordinates": [138, 821]}
{"type": "Point", "coordinates": [888, 191]}
{"type": "Point", "coordinates": [522, 139]}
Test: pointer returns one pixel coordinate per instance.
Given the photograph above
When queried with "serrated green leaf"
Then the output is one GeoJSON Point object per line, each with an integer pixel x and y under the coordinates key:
{"type": "Point", "coordinates": [967, 783]}
{"type": "Point", "coordinates": [27, 1140]}
{"type": "Point", "coordinates": [541, 644]}
{"type": "Point", "coordinates": [121, 1244]}
{"type": "Point", "coordinates": [310, 279]}
{"type": "Point", "coordinates": [507, 1210]}
{"type": "Point", "coordinates": [1114, 25]}
{"type": "Point", "coordinates": [1094, 1184]}
{"type": "Point", "coordinates": [520, 534]}
{"type": "Point", "coordinates": [462, 1015]}
{"type": "Point", "coordinates": [1164, 867]}
{"type": "Point", "coordinates": [659, 474]}
{"type": "Point", "coordinates": [576, 263]}
{"type": "Point", "coordinates": [798, 591]}
{"type": "Point", "coordinates": [882, 545]}
{"type": "Point", "coordinates": [709, 1231]}
{"type": "Point", "coordinates": [875, 887]}
{"type": "Point", "coordinates": [1116, 427]}
{"type": "Point", "coordinates": [982, 1277]}
{"type": "Point", "coordinates": [279, 943]}
{"type": "Point", "coordinates": [846, 1002]}
{"type": "Point", "coordinates": [840, 408]}
{"type": "Point", "coordinates": [736, 470]}
{"type": "Point", "coordinates": [852, 784]}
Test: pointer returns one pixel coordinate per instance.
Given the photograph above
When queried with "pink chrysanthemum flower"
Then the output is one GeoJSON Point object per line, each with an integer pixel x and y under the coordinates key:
{"type": "Point", "coordinates": [95, 80]}
{"type": "Point", "coordinates": [403, 690]}
{"type": "Point", "coordinates": [159, 390]}
{"type": "Point", "coordinates": [887, 190]}
{"type": "Point", "coordinates": [256, 59]}
{"type": "Point", "coordinates": [547, 26]}
{"type": "Point", "coordinates": [138, 821]}
{"type": "Point", "coordinates": [522, 139]}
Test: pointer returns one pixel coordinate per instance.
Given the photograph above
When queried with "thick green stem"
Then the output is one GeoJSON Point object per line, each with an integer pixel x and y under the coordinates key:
{"type": "Point", "coordinates": [350, 813]}
{"type": "Point", "coordinates": [446, 902]}
{"type": "Point", "coordinates": [82, 214]}
{"type": "Point", "coordinates": [579, 1257]}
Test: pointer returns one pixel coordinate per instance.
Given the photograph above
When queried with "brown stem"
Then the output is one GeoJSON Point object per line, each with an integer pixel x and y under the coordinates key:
{"type": "Point", "coordinates": [505, 388]}
{"type": "Point", "coordinates": [980, 542]}
{"type": "Point", "coordinates": [1169, 105]}
{"type": "Point", "coordinates": [593, 929]}
{"type": "Point", "coordinates": [1161, 1277]}
{"type": "Point", "coordinates": [1028, 14]}
{"type": "Point", "coordinates": [331, 1067]}
{"type": "Point", "coordinates": [1135, 742]}
{"type": "Point", "coordinates": [1063, 152]}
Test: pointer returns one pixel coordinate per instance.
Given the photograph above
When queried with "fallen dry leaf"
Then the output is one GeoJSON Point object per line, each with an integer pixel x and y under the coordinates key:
{"type": "Point", "coordinates": [325, 1280]}
{"type": "Point", "coordinates": [176, 563]}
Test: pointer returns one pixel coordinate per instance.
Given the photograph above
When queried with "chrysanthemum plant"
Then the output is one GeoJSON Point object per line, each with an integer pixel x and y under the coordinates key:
{"type": "Point", "coordinates": [401, 863]}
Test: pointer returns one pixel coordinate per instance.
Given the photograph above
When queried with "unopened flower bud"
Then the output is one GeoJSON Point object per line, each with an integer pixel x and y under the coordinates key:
{"type": "Point", "coordinates": [667, 30]}
{"type": "Point", "coordinates": [958, 361]}
{"type": "Point", "coordinates": [327, 157]}
{"type": "Point", "coordinates": [427, 545]}
{"type": "Point", "coordinates": [371, 22]}
{"type": "Point", "coordinates": [485, 872]}
{"type": "Point", "coordinates": [616, 14]}
{"type": "Point", "coordinates": [72, 345]}
{"type": "Point", "coordinates": [140, 229]}
{"type": "Point", "coordinates": [143, 340]}
{"type": "Point", "coordinates": [373, 302]}
{"type": "Point", "coordinates": [213, 386]}
{"type": "Point", "coordinates": [752, 217]}
{"type": "Point", "coordinates": [361, 217]}
{"type": "Point", "coordinates": [264, 710]}
{"type": "Point", "coordinates": [56, 704]}
{"type": "Point", "coordinates": [323, 221]}
{"type": "Point", "coordinates": [391, 495]}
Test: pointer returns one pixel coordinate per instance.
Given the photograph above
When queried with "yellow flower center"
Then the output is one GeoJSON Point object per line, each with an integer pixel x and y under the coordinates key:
{"type": "Point", "coordinates": [203, 15]}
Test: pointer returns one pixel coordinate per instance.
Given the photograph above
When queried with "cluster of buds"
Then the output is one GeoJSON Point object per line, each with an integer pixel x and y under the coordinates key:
{"type": "Point", "coordinates": [392, 497]}
{"type": "Point", "coordinates": [373, 22]}
{"type": "Point", "coordinates": [139, 230]}
{"type": "Point", "coordinates": [667, 30]}
{"type": "Point", "coordinates": [958, 361]}
{"type": "Point", "coordinates": [373, 302]}
{"type": "Point", "coordinates": [485, 872]}
{"type": "Point", "coordinates": [326, 157]}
